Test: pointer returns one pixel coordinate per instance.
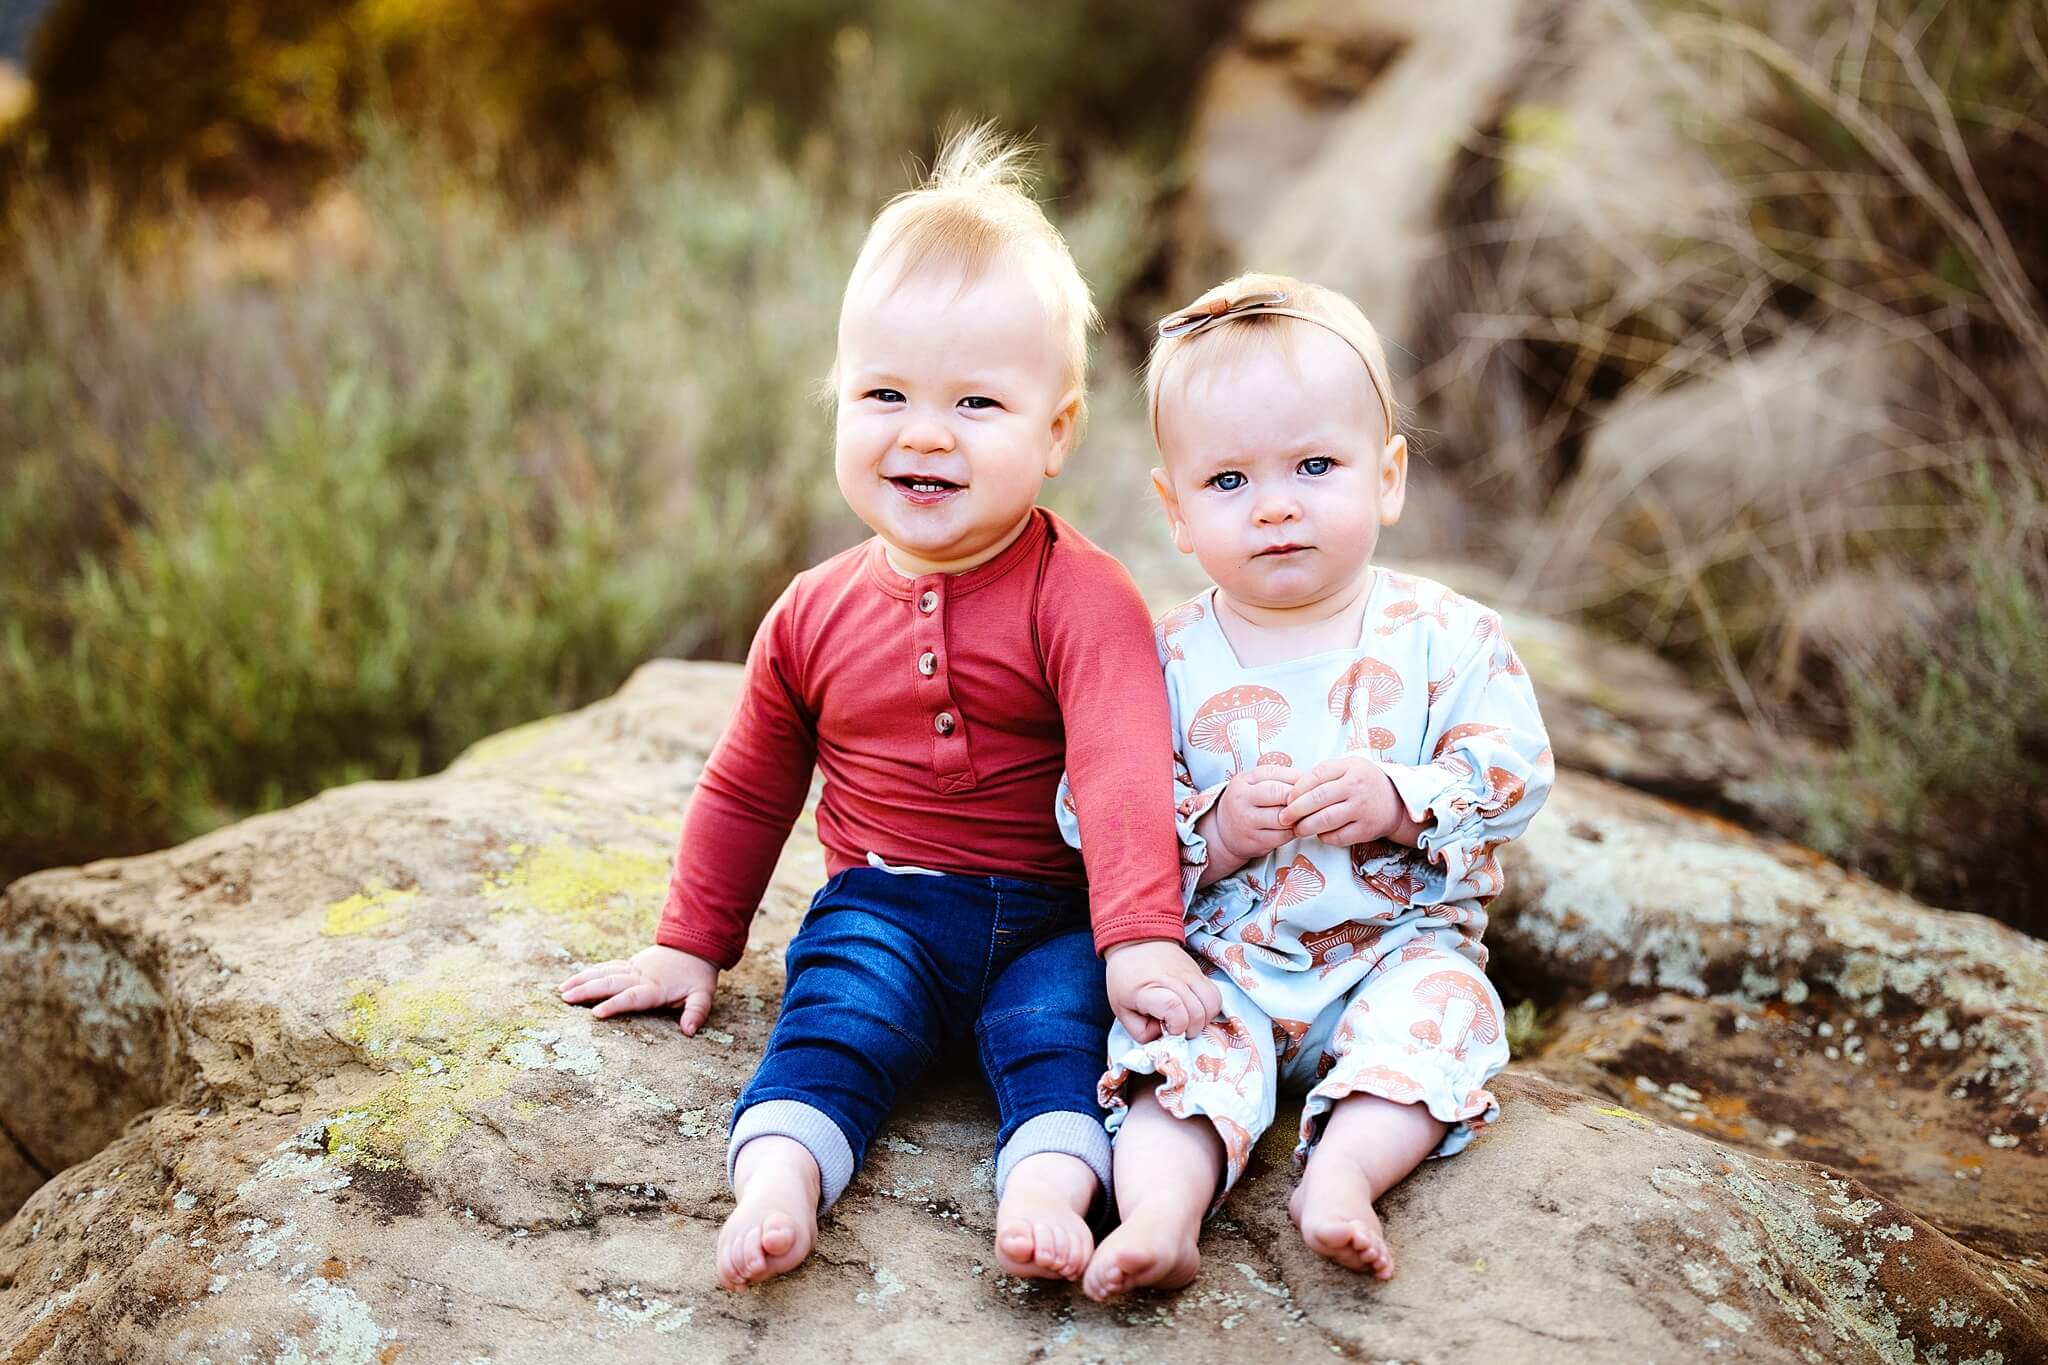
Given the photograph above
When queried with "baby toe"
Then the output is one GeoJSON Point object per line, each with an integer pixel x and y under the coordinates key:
{"type": "Point", "coordinates": [754, 1261]}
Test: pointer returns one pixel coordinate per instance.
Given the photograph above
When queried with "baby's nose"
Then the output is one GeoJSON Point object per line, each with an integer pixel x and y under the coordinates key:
{"type": "Point", "coordinates": [1274, 508]}
{"type": "Point", "coordinates": [926, 436]}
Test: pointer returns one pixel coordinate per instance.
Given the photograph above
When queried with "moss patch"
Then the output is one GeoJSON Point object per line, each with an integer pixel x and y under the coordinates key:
{"type": "Point", "coordinates": [599, 902]}
{"type": "Point", "coordinates": [452, 1051]}
{"type": "Point", "coordinates": [508, 744]}
{"type": "Point", "coordinates": [374, 907]}
{"type": "Point", "coordinates": [1548, 660]}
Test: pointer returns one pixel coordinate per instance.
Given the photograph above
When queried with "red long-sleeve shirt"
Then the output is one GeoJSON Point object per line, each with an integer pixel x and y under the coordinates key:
{"type": "Point", "coordinates": [941, 711]}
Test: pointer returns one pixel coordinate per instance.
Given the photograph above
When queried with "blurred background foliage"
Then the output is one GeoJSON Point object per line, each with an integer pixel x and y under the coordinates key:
{"type": "Point", "coordinates": [263, 96]}
{"type": "Point", "coordinates": [376, 374]}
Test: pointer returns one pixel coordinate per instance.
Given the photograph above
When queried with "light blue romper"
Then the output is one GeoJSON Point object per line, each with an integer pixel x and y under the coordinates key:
{"type": "Point", "coordinates": [1347, 970]}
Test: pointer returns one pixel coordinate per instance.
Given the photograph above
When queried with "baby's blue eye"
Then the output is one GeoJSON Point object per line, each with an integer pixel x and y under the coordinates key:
{"type": "Point", "coordinates": [978, 403]}
{"type": "Point", "coordinates": [1229, 481]}
{"type": "Point", "coordinates": [884, 395]}
{"type": "Point", "coordinates": [1315, 466]}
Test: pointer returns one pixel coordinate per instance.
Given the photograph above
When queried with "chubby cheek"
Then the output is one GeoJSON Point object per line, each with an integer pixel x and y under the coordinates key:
{"type": "Point", "coordinates": [854, 469]}
{"type": "Point", "coordinates": [1221, 545]}
{"type": "Point", "coordinates": [1218, 531]}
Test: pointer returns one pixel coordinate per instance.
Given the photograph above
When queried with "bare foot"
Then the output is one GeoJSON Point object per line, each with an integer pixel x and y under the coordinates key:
{"type": "Point", "coordinates": [1155, 1245]}
{"type": "Point", "coordinates": [1333, 1208]}
{"type": "Point", "coordinates": [1042, 1226]}
{"type": "Point", "coordinates": [775, 1223]}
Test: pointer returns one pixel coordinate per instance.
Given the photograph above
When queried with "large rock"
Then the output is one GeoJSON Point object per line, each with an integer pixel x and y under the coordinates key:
{"type": "Point", "coordinates": [1325, 136]}
{"type": "Point", "coordinates": [375, 1134]}
{"type": "Point", "coordinates": [1750, 990]}
{"type": "Point", "coordinates": [19, 1176]}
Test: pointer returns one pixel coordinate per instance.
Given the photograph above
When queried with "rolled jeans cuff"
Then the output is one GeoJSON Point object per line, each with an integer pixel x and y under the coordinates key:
{"type": "Point", "coordinates": [1075, 1134]}
{"type": "Point", "coordinates": [801, 1123]}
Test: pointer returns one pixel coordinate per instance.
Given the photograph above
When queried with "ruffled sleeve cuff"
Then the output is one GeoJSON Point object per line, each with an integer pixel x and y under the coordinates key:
{"type": "Point", "coordinates": [1194, 849]}
{"type": "Point", "coordinates": [1442, 802]}
{"type": "Point", "coordinates": [1436, 798]}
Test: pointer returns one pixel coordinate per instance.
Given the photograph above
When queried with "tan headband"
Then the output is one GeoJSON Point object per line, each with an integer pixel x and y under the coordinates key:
{"type": "Point", "coordinates": [1202, 316]}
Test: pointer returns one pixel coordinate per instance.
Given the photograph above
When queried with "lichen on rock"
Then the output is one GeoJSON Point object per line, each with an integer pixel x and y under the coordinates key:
{"type": "Point", "coordinates": [597, 902]}
{"type": "Point", "coordinates": [400, 1142]}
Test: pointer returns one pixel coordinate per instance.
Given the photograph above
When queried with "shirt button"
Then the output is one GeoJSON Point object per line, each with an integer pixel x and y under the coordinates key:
{"type": "Point", "coordinates": [943, 722]}
{"type": "Point", "coordinates": [927, 663]}
{"type": "Point", "coordinates": [928, 603]}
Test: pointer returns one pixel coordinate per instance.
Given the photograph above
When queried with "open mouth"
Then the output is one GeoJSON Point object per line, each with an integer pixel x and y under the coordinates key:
{"type": "Point", "coordinates": [925, 488]}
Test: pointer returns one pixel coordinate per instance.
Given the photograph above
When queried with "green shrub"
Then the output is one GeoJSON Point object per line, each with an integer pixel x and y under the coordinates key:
{"type": "Point", "coordinates": [1940, 786]}
{"type": "Point", "coordinates": [1121, 75]}
{"type": "Point", "coordinates": [271, 525]}
{"type": "Point", "coordinates": [1526, 1029]}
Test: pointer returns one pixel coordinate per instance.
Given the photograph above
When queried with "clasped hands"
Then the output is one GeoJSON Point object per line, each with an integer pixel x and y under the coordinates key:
{"type": "Point", "coordinates": [1155, 986]}
{"type": "Point", "coordinates": [1340, 801]}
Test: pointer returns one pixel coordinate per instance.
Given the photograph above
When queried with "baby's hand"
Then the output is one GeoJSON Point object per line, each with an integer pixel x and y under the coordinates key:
{"type": "Point", "coordinates": [1348, 800]}
{"type": "Point", "coordinates": [650, 979]}
{"type": "Point", "coordinates": [1248, 821]}
{"type": "Point", "coordinates": [1156, 987]}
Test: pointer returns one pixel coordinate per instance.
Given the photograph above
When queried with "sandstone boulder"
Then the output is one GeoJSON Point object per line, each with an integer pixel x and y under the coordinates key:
{"type": "Point", "coordinates": [1329, 141]}
{"type": "Point", "coordinates": [351, 1123]}
{"type": "Point", "coordinates": [1751, 990]}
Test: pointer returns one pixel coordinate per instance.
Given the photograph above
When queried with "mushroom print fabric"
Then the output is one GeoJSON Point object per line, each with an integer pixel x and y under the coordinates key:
{"type": "Point", "coordinates": [1358, 969]}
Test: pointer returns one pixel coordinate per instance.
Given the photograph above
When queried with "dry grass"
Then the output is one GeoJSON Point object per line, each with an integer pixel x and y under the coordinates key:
{"type": "Point", "coordinates": [1876, 217]}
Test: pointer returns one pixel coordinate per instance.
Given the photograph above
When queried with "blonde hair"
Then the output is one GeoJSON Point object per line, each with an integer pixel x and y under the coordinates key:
{"type": "Point", "coordinates": [974, 210]}
{"type": "Point", "coordinates": [1248, 322]}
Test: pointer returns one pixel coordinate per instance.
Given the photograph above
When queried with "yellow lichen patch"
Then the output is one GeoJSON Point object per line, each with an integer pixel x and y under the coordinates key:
{"type": "Point", "coordinates": [669, 825]}
{"type": "Point", "coordinates": [374, 907]}
{"type": "Point", "coordinates": [509, 743]}
{"type": "Point", "coordinates": [1616, 1111]}
{"type": "Point", "coordinates": [445, 1045]}
{"type": "Point", "coordinates": [600, 902]}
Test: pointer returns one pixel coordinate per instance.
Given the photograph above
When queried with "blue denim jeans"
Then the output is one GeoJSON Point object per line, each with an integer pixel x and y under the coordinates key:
{"type": "Point", "coordinates": [890, 969]}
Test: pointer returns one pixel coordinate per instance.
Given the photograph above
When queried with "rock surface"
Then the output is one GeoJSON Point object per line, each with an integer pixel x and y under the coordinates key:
{"type": "Point", "coordinates": [1753, 991]}
{"type": "Point", "coordinates": [350, 1122]}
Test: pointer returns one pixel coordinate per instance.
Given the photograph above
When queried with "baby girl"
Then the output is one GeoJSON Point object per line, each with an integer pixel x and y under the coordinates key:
{"type": "Point", "coordinates": [1354, 747]}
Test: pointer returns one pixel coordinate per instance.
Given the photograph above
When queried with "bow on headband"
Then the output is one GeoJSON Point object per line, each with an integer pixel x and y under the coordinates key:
{"type": "Point", "coordinates": [1202, 316]}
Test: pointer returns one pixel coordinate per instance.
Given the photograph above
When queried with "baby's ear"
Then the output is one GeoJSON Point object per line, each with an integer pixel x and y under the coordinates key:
{"type": "Point", "coordinates": [1066, 426]}
{"type": "Point", "coordinates": [1393, 479]}
{"type": "Point", "coordinates": [1176, 523]}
